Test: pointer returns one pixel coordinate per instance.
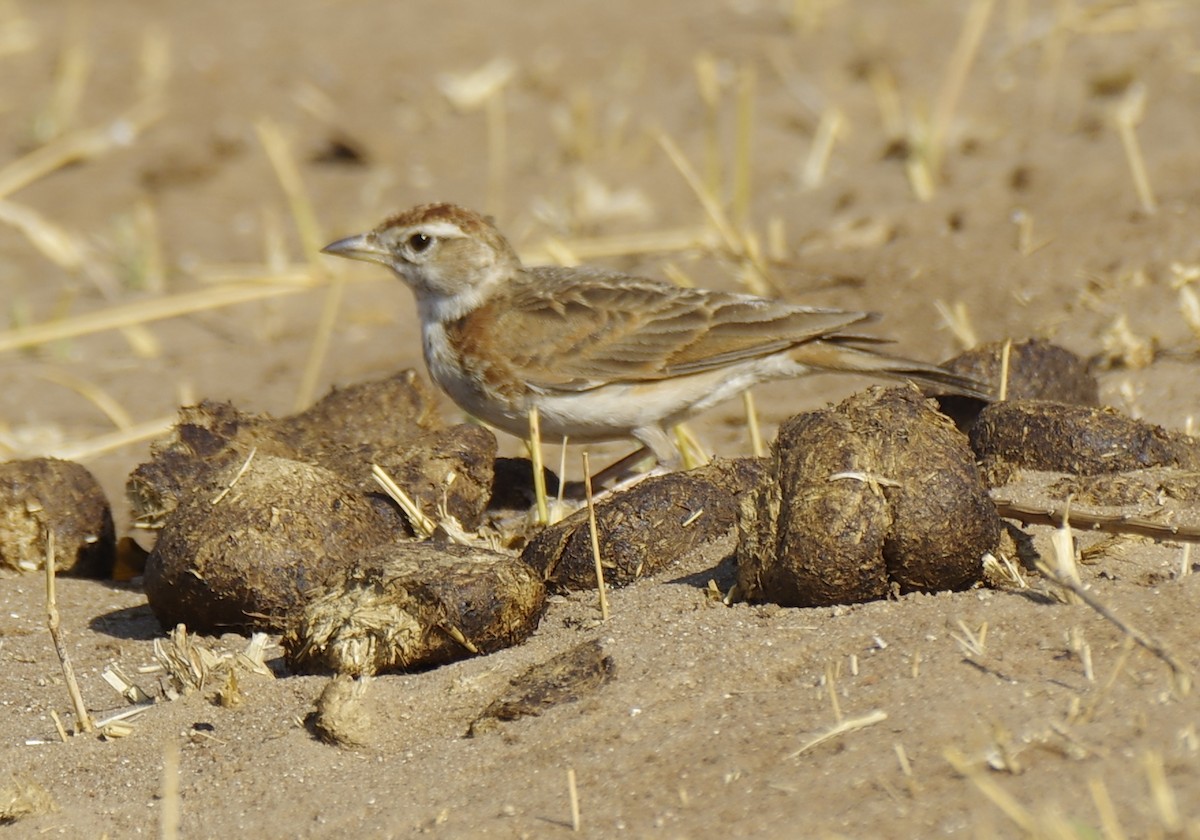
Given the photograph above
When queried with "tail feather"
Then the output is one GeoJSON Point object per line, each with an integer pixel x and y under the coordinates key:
{"type": "Point", "coordinates": [843, 356]}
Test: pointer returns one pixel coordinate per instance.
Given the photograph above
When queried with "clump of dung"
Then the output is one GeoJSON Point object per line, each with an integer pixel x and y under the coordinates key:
{"type": "Point", "coordinates": [877, 495]}
{"type": "Point", "coordinates": [415, 605]}
{"type": "Point", "coordinates": [42, 495]}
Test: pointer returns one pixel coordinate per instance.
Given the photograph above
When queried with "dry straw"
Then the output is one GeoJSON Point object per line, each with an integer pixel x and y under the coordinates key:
{"type": "Point", "coordinates": [595, 536]}
{"type": "Point", "coordinates": [83, 721]}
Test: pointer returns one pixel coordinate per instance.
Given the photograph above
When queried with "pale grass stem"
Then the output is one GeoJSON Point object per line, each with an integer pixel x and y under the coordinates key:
{"type": "Point", "coordinates": [93, 393]}
{"type": "Point", "coordinates": [171, 807]}
{"type": "Point", "coordinates": [151, 309]}
{"type": "Point", "coordinates": [829, 129]}
{"type": "Point", "coordinates": [422, 524]}
{"type": "Point", "coordinates": [1128, 114]}
{"type": "Point", "coordinates": [689, 447]}
{"type": "Point", "coordinates": [954, 80]}
{"type": "Point", "coordinates": [999, 797]}
{"type": "Point", "coordinates": [102, 444]}
{"type": "Point", "coordinates": [708, 200]}
{"type": "Point", "coordinates": [58, 726]}
{"type": "Point", "coordinates": [1005, 356]}
{"type": "Point", "coordinates": [756, 440]}
{"type": "Point", "coordinates": [831, 688]}
{"type": "Point", "coordinates": [562, 477]}
{"type": "Point", "coordinates": [573, 795]}
{"type": "Point", "coordinates": [236, 478]}
{"type": "Point", "coordinates": [83, 721]}
{"type": "Point", "coordinates": [1110, 826]}
{"type": "Point", "coordinates": [154, 63]}
{"type": "Point", "coordinates": [972, 643]}
{"type": "Point", "coordinates": [842, 728]}
{"type": "Point", "coordinates": [283, 162]}
{"type": "Point", "coordinates": [958, 320]}
{"type": "Point", "coordinates": [734, 242]}
{"type": "Point", "coordinates": [595, 537]}
{"type": "Point", "coordinates": [535, 456]}
{"type": "Point", "coordinates": [80, 145]}
{"type": "Point", "coordinates": [1161, 794]}
{"type": "Point", "coordinates": [777, 246]}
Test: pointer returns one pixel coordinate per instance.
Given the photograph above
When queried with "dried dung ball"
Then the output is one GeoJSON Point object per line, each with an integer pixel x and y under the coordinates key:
{"type": "Point", "coordinates": [209, 436]}
{"type": "Point", "coordinates": [1037, 370]}
{"type": "Point", "coordinates": [565, 678]}
{"type": "Point", "coordinates": [646, 528]}
{"type": "Point", "coordinates": [1053, 437]}
{"type": "Point", "coordinates": [346, 431]}
{"type": "Point", "coordinates": [340, 716]}
{"type": "Point", "coordinates": [448, 471]}
{"type": "Point", "coordinates": [244, 549]}
{"type": "Point", "coordinates": [65, 497]}
{"type": "Point", "coordinates": [381, 414]}
{"type": "Point", "coordinates": [415, 605]}
{"type": "Point", "coordinates": [878, 493]}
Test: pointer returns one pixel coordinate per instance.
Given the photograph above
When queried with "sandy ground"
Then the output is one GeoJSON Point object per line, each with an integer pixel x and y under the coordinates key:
{"type": "Point", "coordinates": [1032, 224]}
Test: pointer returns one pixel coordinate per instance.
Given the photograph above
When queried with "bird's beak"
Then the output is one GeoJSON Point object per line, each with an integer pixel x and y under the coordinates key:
{"type": "Point", "coordinates": [363, 247]}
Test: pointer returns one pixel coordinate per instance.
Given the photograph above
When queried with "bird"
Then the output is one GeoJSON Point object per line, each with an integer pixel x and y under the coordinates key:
{"type": "Point", "coordinates": [600, 354]}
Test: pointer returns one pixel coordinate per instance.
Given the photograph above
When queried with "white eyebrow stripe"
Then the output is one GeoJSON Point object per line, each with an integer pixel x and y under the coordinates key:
{"type": "Point", "coordinates": [443, 229]}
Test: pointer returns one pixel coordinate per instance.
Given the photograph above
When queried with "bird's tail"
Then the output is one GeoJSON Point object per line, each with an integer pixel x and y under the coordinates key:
{"type": "Point", "coordinates": [853, 354]}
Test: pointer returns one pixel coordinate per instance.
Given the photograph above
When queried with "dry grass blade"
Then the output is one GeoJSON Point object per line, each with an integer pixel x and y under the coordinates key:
{"type": "Point", "coordinates": [999, 797]}
{"type": "Point", "coordinates": [78, 146]}
{"type": "Point", "coordinates": [958, 319]}
{"type": "Point", "coordinates": [82, 718]}
{"type": "Point", "coordinates": [573, 794]}
{"type": "Point", "coordinates": [422, 524]}
{"type": "Point", "coordinates": [1110, 826]}
{"type": "Point", "coordinates": [1127, 116]}
{"type": "Point", "coordinates": [236, 478]}
{"type": "Point", "coordinates": [96, 395]}
{"type": "Point", "coordinates": [842, 728]}
{"type": "Point", "coordinates": [756, 440]}
{"type": "Point", "coordinates": [288, 174]}
{"type": "Point", "coordinates": [54, 243]}
{"type": "Point", "coordinates": [151, 309]}
{"type": "Point", "coordinates": [102, 444]}
{"type": "Point", "coordinates": [171, 810]}
{"type": "Point", "coordinates": [817, 163]}
{"type": "Point", "coordinates": [955, 79]}
{"type": "Point", "coordinates": [708, 201]}
{"type": "Point", "coordinates": [534, 444]}
{"type": "Point", "coordinates": [1109, 523]}
{"type": "Point", "coordinates": [1181, 673]}
{"type": "Point", "coordinates": [595, 536]}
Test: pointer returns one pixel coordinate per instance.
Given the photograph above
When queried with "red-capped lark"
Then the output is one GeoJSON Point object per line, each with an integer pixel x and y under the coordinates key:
{"type": "Point", "coordinates": [600, 354]}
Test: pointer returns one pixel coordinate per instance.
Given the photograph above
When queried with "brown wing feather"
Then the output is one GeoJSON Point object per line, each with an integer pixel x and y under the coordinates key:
{"type": "Point", "coordinates": [572, 332]}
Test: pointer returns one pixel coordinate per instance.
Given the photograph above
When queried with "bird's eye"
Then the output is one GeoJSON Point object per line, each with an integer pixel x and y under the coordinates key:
{"type": "Point", "coordinates": [419, 242]}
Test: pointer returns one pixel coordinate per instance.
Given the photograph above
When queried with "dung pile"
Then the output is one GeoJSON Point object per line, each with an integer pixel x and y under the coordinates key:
{"type": "Point", "coordinates": [877, 495]}
{"type": "Point", "coordinates": [257, 513]}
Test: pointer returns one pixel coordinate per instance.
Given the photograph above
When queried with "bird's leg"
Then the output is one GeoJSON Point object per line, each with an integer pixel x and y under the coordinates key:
{"type": "Point", "coordinates": [620, 471]}
{"type": "Point", "coordinates": [656, 443]}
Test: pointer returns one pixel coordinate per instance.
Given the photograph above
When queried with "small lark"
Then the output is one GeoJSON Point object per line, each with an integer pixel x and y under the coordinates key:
{"type": "Point", "coordinates": [602, 355]}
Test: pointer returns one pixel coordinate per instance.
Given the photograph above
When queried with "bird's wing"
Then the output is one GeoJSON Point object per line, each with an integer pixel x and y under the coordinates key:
{"type": "Point", "coordinates": [574, 331]}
